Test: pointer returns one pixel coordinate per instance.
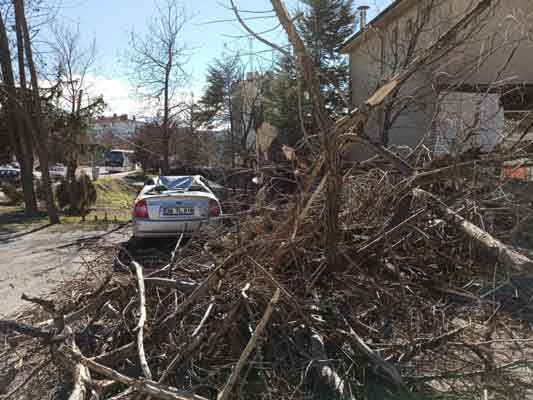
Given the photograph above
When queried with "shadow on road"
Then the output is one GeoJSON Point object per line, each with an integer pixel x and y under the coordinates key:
{"type": "Point", "coordinates": [11, 221]}
{"type": "Point", "coordinates": [151, 253]}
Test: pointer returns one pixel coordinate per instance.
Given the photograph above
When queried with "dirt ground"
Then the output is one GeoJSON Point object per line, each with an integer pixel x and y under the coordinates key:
{"type": "Point", "coordinates": [36, 259]}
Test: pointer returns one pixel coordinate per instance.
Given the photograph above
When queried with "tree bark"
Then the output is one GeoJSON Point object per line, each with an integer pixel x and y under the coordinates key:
{"type": "Point", "coordinates": [72, 165]}
{"type": "Point", "coordinates": [327, 131]}
{"type": "Point", "coordinates": [166, 118]}
{"type": "Point", "coordinates": [39, 132]}
{"type": "Point", "coordinates": [19, 140]}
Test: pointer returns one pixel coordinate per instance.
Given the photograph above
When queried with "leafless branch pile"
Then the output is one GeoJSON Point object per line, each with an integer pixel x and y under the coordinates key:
{"type": "Point", "coordinates": [423, 300]}
{"type": "Point", "coordinates": [390, 278]}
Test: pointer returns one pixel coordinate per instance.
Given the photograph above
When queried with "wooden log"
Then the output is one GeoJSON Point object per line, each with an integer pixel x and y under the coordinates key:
{"type": "Point", "coordinates": [504, 253]}
{"type": "Point", "coordinates": [142, 319]}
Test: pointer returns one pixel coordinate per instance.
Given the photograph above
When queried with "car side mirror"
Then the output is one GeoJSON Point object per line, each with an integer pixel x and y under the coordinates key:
{"type": "Point", "coordinates": [149, 182]}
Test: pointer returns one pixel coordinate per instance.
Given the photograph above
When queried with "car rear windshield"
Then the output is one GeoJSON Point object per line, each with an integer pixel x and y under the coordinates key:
{"type": "Point", "coordinates": [177, 182]}
{"type": "Point", "coordinates": [114, 156]}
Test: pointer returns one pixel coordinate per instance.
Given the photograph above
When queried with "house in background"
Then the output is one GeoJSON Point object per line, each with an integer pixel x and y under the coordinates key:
{"type": "Point", "coordinates": [118, 129]}
{"type": "Point", "coordinates": [463, 100]}
{"type": "Point", "coordinates": [252, 132]}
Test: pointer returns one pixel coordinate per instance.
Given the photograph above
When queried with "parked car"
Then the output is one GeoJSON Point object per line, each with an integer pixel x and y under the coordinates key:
{"type": "Point", "coordinates": [119, 161]}
{"type": "Point", "coordinates": [56, 171]}
{"type": "Point", "coordinates": [9, 174]}
{"type": "Point", "coordinates": [170, 205]}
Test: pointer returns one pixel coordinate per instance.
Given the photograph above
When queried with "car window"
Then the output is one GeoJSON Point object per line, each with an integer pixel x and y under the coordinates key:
{"type": "Point", "coordinates": [114, 156]}
{"type": "Point", "coordinates": [177, 183]}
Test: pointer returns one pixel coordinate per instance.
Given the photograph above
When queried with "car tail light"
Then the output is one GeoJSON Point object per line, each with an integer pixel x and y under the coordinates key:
{"type": "Point", "coordinates": [141, 209]}
{"type": "Point", "coordinates": [214, 208]}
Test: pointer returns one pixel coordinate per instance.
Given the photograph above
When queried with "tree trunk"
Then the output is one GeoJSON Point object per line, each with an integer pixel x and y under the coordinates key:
{"type": "Point", "coordinates": [231, 130]}
{"type": "Point", "coordinates": [24, 135]}
{"type": "Point", "coordinates": [28, 189]}
{"type": "Point", "coordinates": [72, 166]}
{"type": "Point", "coordinates": [72, 158]}
{"type": "Point", "coordinates": [166, 139]}
{"type": "Point", "coordinates": [328, 134]}
{"type": "Point", "coordinates": [21, 146]}
{"type": "Point", "coordinates": [39, 132]}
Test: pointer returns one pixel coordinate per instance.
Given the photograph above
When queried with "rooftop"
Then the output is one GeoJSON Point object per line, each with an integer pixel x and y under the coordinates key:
{"type": "Point", "coordinates": [346, 47]}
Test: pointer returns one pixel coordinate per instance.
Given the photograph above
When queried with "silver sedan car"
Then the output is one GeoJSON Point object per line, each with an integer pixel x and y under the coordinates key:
{"type": "Point", "coordinates": [170, 205]}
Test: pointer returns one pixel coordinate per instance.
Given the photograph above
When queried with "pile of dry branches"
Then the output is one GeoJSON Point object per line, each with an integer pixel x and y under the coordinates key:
{"type": "Point", "coordinates": [388, 279]}
{"type": "Point", "coordinates": [423, 301]}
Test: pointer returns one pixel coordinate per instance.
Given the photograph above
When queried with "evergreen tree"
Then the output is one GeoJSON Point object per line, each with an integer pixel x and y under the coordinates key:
{"type": "Point", "coordinates": [217, 101]}
{"type": "Point", "coordinates": [282, 109]}
{"type": "Point", "coordinates": [324, 27]}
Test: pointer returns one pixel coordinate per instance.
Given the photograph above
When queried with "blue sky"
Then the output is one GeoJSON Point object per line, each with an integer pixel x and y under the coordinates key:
{"type": "Point", "coordinates": [110, 21]}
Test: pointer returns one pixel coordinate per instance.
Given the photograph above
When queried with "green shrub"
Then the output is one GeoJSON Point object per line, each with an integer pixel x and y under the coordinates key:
{"type": "Point", "coordinates": [83, 193]}
{"type": "Point", "coordinates": [14, 195]}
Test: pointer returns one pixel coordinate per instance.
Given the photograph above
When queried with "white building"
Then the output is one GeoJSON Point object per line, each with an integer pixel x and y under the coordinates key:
{"type": "Point", "coordinates": [117, 125]}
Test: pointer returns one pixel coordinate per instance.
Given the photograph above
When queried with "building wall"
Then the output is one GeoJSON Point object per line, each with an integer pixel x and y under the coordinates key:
{"type": "Point", "coordinates": [483, 57]}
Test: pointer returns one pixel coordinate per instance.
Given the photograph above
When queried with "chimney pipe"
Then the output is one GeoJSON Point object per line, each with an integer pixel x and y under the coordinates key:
{"type": "Point", "coordinates": [363, 12]}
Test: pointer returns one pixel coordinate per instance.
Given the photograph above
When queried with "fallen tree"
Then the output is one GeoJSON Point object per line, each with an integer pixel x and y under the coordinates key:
{"type": "Point", "coordinates": [359, 285]}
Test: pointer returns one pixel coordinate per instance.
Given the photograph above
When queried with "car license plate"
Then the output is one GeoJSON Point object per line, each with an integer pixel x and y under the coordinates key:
{"type": "Point", "coordinates": [179, 211]}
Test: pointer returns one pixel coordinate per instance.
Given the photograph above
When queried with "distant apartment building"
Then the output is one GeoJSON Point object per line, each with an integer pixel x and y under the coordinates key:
{"type": "Point", "coordinates": [118, 129]}
{"type": "Point", "coordinates": [252, 134]}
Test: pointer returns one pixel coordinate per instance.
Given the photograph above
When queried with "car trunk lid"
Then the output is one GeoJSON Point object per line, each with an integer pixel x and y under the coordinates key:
{"type": "Point", "coordinates": [177, 207]}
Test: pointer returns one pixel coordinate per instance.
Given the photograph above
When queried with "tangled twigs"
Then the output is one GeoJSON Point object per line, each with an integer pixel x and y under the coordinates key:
{"type": "Point", "coordinates": [325, 370]}
{"type": "Point", "coordinates": [6, 326]}
{"type": "Point", "coordinates": [146, 386]}
{"type": "Point", "coordinates": [249, 347]}
{"type": "Point", "coordinates": [80, 373]}
{"type": "Point", "coordinates": [389, 370]}
{"type": "Point", "coordinates": [30, 376]}
{"type": "Point", "coordinates": [47, 305]}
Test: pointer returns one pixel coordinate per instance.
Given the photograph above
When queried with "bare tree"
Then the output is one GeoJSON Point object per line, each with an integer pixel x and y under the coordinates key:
{"type": "Point", "coordinates": [28, 116]}
{"type": "Point", "coordinates": [75, 108]}
{"type": "Point", "coordinates": [157, 62]}
{"type": "Point", "coordinates": [35, 121]}
{"type": "Point", "coordinates": [233, 100]}
{"type": "Point", "coordinates": [13, 104]}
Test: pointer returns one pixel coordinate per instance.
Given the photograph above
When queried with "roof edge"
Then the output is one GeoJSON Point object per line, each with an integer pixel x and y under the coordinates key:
{"type": "Point", "coordinates": [346, 46]}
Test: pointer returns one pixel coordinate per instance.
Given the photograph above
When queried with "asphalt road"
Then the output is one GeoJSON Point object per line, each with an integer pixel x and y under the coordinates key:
{"type": "Point", "coordinates": [35, 262]}
{"type": "Point", "coordinates": [33, 259]}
